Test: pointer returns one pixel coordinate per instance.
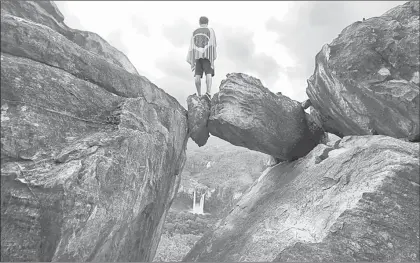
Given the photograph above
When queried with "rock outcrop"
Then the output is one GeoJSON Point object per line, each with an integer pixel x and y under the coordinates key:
{"type": "Point", "coordinates": [355, 201]}
{"type": "Point", "coordinates": [366, 81]}
{"type": "Point", "coordinates": [198, 115]}
{"type": "Point", "coordinates": [47, 13]}
{"type": "Point", "coordinates": [91, 152]}
{"type": "Point", "coordinates": [247, 114]}
{"type": "Point", "coordinates": [44, 45]}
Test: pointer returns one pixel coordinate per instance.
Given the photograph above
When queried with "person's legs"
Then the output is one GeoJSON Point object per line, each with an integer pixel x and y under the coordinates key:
{"type": "Point", "coordinates": [198, 84]}
{"type": "Point", "coordinates": [209, 74]}
{"type": "Point", "coordinates": [198, 75]}
{"type": "Point", "coordinates": [208, 83]}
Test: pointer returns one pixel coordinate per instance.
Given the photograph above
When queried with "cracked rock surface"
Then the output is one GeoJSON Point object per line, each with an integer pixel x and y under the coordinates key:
{"type": "Point", "coordinates": [356, 200]}
{"type": "Point", "coordinates": [366, 81]}
{"type": "Point", "coordinates": [91, 152]}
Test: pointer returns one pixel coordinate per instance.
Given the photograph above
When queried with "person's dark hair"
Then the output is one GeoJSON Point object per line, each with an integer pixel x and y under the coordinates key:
{"type": "Point", "coordinates": [203, 20]}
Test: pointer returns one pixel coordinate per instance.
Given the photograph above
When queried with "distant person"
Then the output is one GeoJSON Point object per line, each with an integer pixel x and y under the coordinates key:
{"type": "Point", "coordinates": [202, 53]}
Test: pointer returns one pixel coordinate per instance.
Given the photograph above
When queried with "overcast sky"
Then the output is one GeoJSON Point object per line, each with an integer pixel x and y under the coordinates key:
{"type": "Point", "coordinates": [275, 41]}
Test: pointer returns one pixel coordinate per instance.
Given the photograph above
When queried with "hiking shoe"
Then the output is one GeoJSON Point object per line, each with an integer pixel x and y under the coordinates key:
{"type": "Point", "coordinates": [208, 95]}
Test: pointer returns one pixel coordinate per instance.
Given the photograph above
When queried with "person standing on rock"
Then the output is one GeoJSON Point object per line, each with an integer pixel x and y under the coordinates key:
{"type": "Point", "coordinates": [202, 54]}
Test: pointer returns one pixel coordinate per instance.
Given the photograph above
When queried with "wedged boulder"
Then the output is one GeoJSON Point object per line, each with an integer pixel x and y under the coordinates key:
{"type": "Point", "coordinates": [47, 13]}
{"type": "Point", "coordinates": [355, 201]}
{"type": "Point", "coordinates": [366, 81]}
{"type": "Point", "coordinates": [247, 114]}
{"type": "Point", "coordinates": [89, 164]}
{"type": "Point", "coordinates": [198, 115]}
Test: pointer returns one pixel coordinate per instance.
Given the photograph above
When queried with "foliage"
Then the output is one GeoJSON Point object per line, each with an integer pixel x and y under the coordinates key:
{"type": "Point", "coordinates": [186, 223]}
{"type": "Point", "coordinates": [175, 247]}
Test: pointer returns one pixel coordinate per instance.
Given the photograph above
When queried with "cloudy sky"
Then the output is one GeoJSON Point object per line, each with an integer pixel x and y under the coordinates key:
{"type": "Point", "coordinates": [275, 41]}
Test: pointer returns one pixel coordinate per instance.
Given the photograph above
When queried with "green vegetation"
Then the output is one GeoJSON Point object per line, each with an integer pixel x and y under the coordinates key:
{"type": "Point", "coordinates": [174, 248]}
{"type": "Point", "coordinates": [187, 223]}
{"type": "Point", "coordinates": [179, 234]}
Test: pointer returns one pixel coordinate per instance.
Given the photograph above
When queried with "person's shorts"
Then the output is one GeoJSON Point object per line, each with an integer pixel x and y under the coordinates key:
{"type": "Point", "coordinates": [203, 65]}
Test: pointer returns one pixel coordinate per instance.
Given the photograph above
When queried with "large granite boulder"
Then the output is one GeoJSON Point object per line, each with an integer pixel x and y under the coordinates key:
{"type": "Point", "coordinates": [23, 38]}
{"type": "Point", "coordinates": [247, 114]}
{"type": "Point", "coordinates": [198, 116]}
{"type": "Point", "coordinates": [357, 200]}
{"type": "Point", "coordinates": [91, 154]}
{"type": "Point", "coordinates": [367, 80]}
{"type": "Point", "coordinates": [47, 13]}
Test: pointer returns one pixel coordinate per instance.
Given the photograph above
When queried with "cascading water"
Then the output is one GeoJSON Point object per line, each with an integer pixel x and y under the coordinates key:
{"type": "Point", "coordinates": [194, 208]}
{"type": "Point", "coordinates": [200, 208]}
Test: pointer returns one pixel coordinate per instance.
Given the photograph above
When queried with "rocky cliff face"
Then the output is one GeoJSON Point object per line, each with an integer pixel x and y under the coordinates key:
{"type": "Point", "coordinates": [91, 152]}
{"type": "Point", "coordinates": [367, 80]}
{"type": "Point", "coordinates": [357, 200]}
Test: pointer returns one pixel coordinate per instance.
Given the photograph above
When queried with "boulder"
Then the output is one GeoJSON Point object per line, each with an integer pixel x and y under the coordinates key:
{"type": "Point", "coordinates": [91, 154]}
{"type": "Point", "coordinates": [247, 114]}
{"type": "Point", "coordinates": [198, 115]}
{"type": "Point", "coordinates": [366, 81]}
{"type": "Point", "coordinates": [46, 13]}
{"type": "Point", "coordinates": [43, 44]}
{"type": "Point", "coordinates": [355, 201]}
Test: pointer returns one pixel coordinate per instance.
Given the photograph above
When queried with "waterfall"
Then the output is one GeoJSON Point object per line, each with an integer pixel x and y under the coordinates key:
{"type": "Point", "coordinates": [200, 208]}
{"type": "Point", "coordinates": [194, 202]}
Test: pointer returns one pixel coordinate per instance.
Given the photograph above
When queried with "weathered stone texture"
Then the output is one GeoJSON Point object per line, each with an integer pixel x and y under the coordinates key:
{"type": "Point", "coordinates": [91, 154]}
{"type": "Point", "coordinates": [355, 201]}
{"type": "Point", "coordinates": [366, 81]}
{"type": "Point", "coordinates": [247, 114]}
{"type": "Point", "coordinates": [198, 116]}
